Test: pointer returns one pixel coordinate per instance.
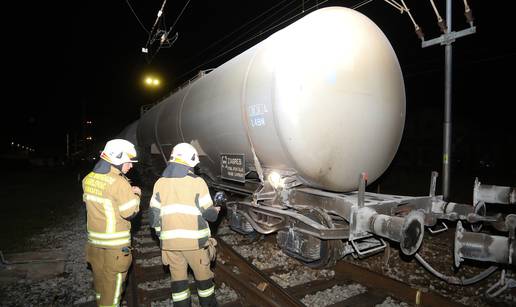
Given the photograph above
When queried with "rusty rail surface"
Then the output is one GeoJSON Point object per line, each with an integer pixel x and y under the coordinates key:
{"type": "Point", "coordinates": [256, 287]}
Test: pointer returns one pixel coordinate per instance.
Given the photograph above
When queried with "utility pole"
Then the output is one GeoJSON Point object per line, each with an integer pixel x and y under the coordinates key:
{"type": "Point", "coordinates": [67, 146]}
{"type": "Point", "coordinates": [447, 39]}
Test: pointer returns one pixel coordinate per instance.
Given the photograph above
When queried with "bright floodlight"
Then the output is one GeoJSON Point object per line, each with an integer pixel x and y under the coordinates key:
{"type": "Point", "coordinates": [152, 81]}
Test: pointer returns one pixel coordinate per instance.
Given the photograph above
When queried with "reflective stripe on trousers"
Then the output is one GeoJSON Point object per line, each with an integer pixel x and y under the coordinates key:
{"type": "Point", "coordinates": [181, 296]}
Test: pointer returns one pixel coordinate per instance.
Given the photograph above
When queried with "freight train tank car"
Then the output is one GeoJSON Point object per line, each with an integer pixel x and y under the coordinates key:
{"type": "Point", "coordinates": [295, 125]}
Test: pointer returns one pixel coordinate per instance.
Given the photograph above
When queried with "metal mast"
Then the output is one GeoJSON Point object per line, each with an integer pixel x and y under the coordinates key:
{"type": "Point", "coordinates": [447, 39]}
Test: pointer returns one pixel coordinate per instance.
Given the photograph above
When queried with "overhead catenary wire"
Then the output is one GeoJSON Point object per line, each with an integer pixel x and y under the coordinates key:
{"type": "Point", "coordinates": [160, 12]}
{"type": "Point", "coordinates": [250, 39]}
{"type": "Point", "coordinates": [164, 37]}
{"type": "Point", "coordinates": [358, 5]}
{"type": "Point", "coordinates": [396, 5]}
{"type": "Point", "coordinates": [239, 28]}
{"type": "Point", "coordinates": [179, 16]}
{"type": "Point", "coordinates": [404, 8]}
{"type": "Point", "coordinates": [264, 20]}
{"type": "Point", "coordinates": [137, 18]}
{"type": "Point", "coordinates": [362, 3]}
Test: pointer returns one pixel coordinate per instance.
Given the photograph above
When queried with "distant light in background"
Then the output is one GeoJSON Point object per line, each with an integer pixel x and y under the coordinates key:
{"type": "Point", "coordinates": [22, 147]}
{"type": "Point", "coordinates": [151, 81]}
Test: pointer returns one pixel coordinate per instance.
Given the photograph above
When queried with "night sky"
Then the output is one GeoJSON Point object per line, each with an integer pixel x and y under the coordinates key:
{"type": "Point", "coordinates": [72, 61]}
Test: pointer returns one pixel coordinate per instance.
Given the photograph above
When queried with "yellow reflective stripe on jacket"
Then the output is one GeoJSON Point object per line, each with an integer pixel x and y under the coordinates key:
{"type": "Point", "coordinates": [95, 198]}
{"type": "Point", "coordinates": [110, 217]}
{"type": "Point", "coordinates": [206, 292]}
{"type": "Point", "coordinates": [181, 296]}
{"type": "Point", "coordinates": [155, 203]}
{"type": "Point", "coordinates": [119, 242]}
{"type": "Point", "coordinates": [129, 204]}
{"type": "Point", "coordinates": [205, 201]}
{"type": "Point", "coordinates": [185, 234]}
{"type": "Point", "coordinates": [113, 235]}
{"type": "Point", "coordinates": [157, 228]}
{"type": "Point", "coordinates": [109, 211]}
{"type": "Point", "coordinates": [179, 208]}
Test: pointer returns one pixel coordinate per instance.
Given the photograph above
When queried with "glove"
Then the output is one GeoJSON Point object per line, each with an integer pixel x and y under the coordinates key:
{"type": "Point", "coordinates": [212, 251]}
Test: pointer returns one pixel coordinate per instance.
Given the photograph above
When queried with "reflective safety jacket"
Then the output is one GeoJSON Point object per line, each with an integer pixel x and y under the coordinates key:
{"type": "Point", "coordinates": [180, 209]}
{"type": "Point", "coordinates": [110, 202]}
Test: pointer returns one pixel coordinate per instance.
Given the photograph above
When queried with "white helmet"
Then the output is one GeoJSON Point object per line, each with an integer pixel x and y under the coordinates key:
{"type": "Point", "coordinates": [186, 154]}
{"type": "Point", "coordinates": [118, 152]}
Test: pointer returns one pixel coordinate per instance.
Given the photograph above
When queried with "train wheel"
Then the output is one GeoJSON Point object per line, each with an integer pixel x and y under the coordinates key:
{"type": "Point", "coordinates": [327, 250]}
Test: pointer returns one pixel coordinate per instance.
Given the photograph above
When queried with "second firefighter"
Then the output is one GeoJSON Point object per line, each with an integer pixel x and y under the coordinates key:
{"type": "Point", "coordinates": [180, 209]}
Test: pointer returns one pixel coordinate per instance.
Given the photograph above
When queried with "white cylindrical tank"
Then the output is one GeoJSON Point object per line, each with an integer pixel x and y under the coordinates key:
{"type": "Point", "coordinates": [323, 97]}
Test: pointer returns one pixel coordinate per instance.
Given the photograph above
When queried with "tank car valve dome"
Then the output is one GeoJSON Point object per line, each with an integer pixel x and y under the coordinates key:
{"type": "Point", "coordinates": [119, 151]}
{"type": "Point", "coordinates": [186, 154]}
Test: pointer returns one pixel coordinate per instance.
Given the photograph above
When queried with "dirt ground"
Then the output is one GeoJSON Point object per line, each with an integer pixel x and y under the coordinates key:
{"type": "Point", "coordinates": [33, 199]}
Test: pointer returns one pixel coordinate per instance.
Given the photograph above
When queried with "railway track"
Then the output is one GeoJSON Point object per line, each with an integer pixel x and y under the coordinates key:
{"type": "Point", "coordinates": [247, 274]}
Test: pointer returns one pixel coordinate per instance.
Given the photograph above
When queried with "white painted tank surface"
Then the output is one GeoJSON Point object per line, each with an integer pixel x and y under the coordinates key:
{"type": "Point", "coordinates": [323, 97]}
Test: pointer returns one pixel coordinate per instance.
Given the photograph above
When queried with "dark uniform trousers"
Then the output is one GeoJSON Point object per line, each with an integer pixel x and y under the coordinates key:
{"type": "Point", "coordinates": [110, 266]}
{"type": "Point", "coordinates": [198, 260]}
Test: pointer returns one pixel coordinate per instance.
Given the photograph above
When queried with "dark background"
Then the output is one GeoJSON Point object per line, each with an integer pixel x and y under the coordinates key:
{"type": "Point", "coordinates": [69, 62]}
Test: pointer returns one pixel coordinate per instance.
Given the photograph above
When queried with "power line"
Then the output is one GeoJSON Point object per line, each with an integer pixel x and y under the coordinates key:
{"type": "Point", "coordinates": [160, 12]}
{"type": "Point", "coordinates": [164, 37]}
{"type": "Point", "coordinates": [358, 5]}
{"type": "Point", "coordinates": [179, 16]}
{"type": "Point", "coordinates": [134, 13]}
{"type": "Point", "coordinates": [237, 29]}
{"type": "Point", "coordinates": [255, 36]}
{"type": "Point", "coordinates": [263, 21]}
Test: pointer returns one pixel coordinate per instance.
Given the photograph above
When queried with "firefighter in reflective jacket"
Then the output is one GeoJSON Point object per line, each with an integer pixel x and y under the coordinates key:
{"type": "Point", "coordinates": [111, 202]}
{"type": "Point", "coordinates": [180, 207]}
